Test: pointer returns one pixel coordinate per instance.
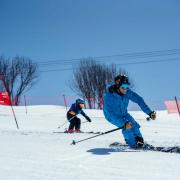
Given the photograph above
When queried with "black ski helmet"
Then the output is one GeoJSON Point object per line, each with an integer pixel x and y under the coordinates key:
{"type": "Point", "coordinates": [121, 79]}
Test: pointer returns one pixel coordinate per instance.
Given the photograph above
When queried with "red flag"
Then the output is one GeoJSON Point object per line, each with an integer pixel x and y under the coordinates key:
{"type": "Point", "coordinates": [4, 99]}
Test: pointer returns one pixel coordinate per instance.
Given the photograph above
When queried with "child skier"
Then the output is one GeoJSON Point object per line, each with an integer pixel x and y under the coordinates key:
{"type": "Point", "coordinates": [115, 110]}
{"type": "Point", "coordinates": [74, 121]}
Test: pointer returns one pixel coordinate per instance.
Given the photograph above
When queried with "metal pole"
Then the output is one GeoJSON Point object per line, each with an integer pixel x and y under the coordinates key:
{"type": "Point", "coordinates": [65, 102]}
{"type": "Point", "coordinates": [177, 105]}
{"type": "Point", "coordinates": [14, 116]}
{"type": "Point", "coordinates": [3, 80]}
{"type": "Point", "coordinates": [25, 103]}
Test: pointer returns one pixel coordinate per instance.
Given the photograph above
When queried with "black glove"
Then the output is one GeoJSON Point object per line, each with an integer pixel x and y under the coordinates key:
{"type": "Point", "coordinates": [88, 119]}
{"type": "Point", "coordinates": [152, 115]}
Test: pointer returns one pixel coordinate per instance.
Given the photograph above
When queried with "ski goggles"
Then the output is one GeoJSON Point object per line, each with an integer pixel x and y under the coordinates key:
{"type": "Point", "coordinates": [81, 105]}
{"type": "Point", "coordinates": [124, 86]}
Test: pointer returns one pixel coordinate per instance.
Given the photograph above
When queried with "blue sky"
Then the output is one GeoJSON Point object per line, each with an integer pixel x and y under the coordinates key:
{"type": "Point", "coordinates": [47, 30]}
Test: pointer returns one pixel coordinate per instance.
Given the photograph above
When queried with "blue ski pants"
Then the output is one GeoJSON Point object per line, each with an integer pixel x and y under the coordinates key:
{"type": "Point", "coordinates": [130, 133]}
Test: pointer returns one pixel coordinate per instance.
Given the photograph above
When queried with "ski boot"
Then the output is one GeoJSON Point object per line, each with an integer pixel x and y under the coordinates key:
{"type": "Point", "coordinates": [78, 131]}
{"type": "Point", "coordinates": [69, 131]}
{"type": "Point", "coordinates": [139, 142]}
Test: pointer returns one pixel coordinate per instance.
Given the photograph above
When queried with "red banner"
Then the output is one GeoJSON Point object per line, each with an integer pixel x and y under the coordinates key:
{"type": "Point", "coordinates": [4, 98]}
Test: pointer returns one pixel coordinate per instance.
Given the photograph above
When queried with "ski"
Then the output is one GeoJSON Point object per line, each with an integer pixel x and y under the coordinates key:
{"type": "Point", "coordinates": [146, 147]}
{"type": "Point", "coordinates": [82, 132]}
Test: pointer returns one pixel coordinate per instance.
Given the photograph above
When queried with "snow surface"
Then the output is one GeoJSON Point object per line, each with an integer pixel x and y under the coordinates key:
{"type": "Point", "coordinates": [34, 152]}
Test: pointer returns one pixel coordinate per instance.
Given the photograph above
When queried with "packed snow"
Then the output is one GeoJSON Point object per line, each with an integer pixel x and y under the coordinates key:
{"type": "Point", "coordinates": [36, 151]}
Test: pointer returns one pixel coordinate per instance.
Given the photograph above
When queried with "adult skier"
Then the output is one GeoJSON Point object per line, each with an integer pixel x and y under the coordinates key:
{"type": "Point", "coordinates": [115, 110]}
{"type": "Point", "coordinates": [75, 122]}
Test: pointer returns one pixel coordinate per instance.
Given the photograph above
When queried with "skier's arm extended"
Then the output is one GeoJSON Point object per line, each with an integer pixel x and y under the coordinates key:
{"type": "Point", "coordinates": [140, 101]}
{"type": "Point", "coordinates": [84, 114]}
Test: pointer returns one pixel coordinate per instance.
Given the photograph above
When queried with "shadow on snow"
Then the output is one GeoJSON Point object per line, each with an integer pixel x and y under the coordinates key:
{"type": "Point", "coordinates": [107, 151]}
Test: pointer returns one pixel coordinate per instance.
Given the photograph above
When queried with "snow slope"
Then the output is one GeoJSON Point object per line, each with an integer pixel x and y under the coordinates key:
{"type": "Point", "coordinates": [34, 152]}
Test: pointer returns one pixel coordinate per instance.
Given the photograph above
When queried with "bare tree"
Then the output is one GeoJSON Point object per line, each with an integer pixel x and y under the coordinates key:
{"type": "Point", "coordinates": [82, 83]}
{"type": "Point", "coordinates": [90, 80]}
{"type": "Point", "coordinates": [20, 74]}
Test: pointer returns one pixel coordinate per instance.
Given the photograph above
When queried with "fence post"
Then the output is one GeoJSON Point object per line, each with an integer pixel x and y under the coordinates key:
{"type": "Point", "coordinates": [4, 83]}
{"type": "Point", "coordinates": [65, 102]}
{"type": "Point", "coordinates": [84, 98]}
{"type": "Point", "coordinates": [177, 105]}
{"type": "Point", "coordinates": [25, 103]}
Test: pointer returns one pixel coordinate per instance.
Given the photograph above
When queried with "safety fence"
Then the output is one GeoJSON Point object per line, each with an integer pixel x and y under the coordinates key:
{"type": "Point", "coordinates": [172, 106]}
{"type": "Point", "coordinates": [90, 103]}
{"type": "Point", "coordinates": [63, 100]}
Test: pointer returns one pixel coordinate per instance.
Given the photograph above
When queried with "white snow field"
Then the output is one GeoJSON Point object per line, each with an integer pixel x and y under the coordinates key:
{"type": "Point", "coordinates": [34, 152]}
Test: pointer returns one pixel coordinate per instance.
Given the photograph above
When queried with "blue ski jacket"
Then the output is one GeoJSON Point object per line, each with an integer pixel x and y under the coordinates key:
{"type": "Point", "coordinates": [75, 110]}
{"type": "Point", "coordinates": [115, 106]}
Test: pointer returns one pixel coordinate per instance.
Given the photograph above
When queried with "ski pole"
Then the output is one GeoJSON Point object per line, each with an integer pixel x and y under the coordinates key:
{"type": "Point", "coordinates": [75, 142]}
{"type": "Point", "coordinates": [66, 122]}
{"type": "Point", "coordinates": [63, 124]}
{"type": "Point", "coordinates": [148, 119]}
{"type": "Point", "coordinates": [84, 122]}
